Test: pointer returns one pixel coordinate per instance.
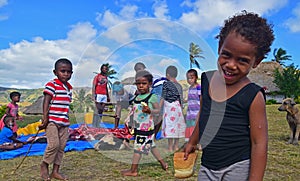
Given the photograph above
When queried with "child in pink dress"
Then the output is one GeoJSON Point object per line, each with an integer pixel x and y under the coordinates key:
{"type": "Point", "coordinates": [12, 110]}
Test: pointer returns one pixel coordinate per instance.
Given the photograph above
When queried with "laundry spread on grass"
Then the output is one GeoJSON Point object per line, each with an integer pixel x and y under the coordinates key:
{"type": "Point", "coordinates": [81, 137]}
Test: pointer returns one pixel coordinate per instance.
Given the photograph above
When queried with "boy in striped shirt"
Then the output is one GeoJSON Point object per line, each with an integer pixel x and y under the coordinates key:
{"type": "Point", "coordinates": [57, 99]}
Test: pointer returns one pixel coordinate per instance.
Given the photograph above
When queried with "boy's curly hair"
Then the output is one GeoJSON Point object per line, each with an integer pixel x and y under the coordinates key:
{"type": "Point", "coordinates": [253, 28]}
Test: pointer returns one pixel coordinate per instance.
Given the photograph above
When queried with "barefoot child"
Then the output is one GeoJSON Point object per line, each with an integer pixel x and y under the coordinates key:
{"type": "Point", "coordinates": [173, 125]}
{"type": "Point", "coordinates": [144, 107]}
{"type": "Point", "coordinates": [8, 140]}
{"type": "Point", "coordinates": [57, 98]}
{"type": "Point", "coordinates": [193, 102]}
{"type": "Point", "coordinates": [232, 127]}
{"type": "Point", "coordinates": [100, 93]}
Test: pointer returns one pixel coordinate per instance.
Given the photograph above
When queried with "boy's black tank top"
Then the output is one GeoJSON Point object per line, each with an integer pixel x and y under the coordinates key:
{"type": "Point", "coordinates": [224, 126]}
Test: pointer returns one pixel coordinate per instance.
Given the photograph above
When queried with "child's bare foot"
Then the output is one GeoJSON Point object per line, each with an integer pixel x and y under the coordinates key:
{"type": "Point", "coordinates": [164, 165]}
{"type": "Point", "coordinates": [129, 172]}
{"type": "Point", "coordinates": [44, 171]}
{"type": "Point", "coordinates": [58, 176]}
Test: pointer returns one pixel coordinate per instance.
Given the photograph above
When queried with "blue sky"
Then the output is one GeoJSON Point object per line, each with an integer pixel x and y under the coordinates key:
{"type": "Point", "coordinates": [35, 33]}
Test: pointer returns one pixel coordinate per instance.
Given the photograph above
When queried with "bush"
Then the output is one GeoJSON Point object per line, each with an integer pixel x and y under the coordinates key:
{"type": "Point", "coordinates": [271, 101]}
{"type": "Point", "coordinates": [2, 110]}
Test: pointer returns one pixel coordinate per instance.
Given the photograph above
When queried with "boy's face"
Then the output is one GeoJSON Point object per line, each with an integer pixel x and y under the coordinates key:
{"type": "Point", "coordinates": [236, 58]}
{"type": "Point", "coordinates": [63, 72]}
{"type": "Point", "coordinates": [143, 85]}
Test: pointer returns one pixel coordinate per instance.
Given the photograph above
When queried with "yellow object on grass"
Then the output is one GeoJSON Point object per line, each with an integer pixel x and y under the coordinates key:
{"type": "Point", "coordinates": [30, 129]}
{"type": "Point", "coordinates": [88, 117]}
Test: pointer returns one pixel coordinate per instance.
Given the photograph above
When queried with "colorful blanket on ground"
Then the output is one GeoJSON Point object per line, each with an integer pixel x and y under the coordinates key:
{"type": "Point", "coordinates": [82, 137]}
{"type": "Point", "coordinates": [72, 144]}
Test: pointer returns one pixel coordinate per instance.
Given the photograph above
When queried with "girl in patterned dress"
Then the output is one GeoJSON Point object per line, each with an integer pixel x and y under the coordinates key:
{"type": "Point", "coordinates": [173, 126]}
{"type": "Point", "coordinates": [194, 96]}
{"type": "Point", "coordinates": [144, 107]}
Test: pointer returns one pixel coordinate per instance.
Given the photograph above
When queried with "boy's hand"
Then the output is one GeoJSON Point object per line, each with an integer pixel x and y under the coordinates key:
{"type": "Point", "coordinates": [188, 148]}
{"type": "Point", "coordinates": [43, 125]}
{"type": "Point", "coordinates": [146, 108]}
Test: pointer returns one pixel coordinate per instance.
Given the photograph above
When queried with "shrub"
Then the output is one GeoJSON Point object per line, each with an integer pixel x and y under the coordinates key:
{"type": "Point", "coordinates": [2, 110]}
{"type": "Point", "coordinates": [271, 101]}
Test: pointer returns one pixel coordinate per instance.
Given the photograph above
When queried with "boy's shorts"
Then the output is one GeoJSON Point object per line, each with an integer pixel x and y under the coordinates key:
{"type": "Point", "coordinates": [101, 98]}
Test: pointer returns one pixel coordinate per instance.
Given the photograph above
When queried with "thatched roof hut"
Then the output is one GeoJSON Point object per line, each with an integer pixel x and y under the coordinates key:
{"type": "Point", "coordinates": [263, 75]}
{"type": "Point", "coordinates": [128, 81]}
{"type": "Point", "coordinates": [36, 107]}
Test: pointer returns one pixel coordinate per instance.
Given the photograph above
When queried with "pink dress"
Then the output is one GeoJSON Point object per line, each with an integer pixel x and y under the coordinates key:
{"type": "Point", "coordinates": [13, 111]}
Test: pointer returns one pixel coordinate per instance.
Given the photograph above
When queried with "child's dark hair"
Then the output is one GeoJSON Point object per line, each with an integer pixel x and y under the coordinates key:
{"type": "Point", "coordinates": [138, 65]}
{"type": "Point", "coordinates": [144, 73]}
{"type": "Point", "coordinates": [253, 28]}
{"type": "Point", "coordinates": [172, 71]}
{"type": "Point", "coordinates": [14, 93]}
{"type": "Point", "coordinates": [193, 71]}
{"type": "Point", "coordinates": [62, 61]}
{"type": "Point", "coordinates": [6, 118]}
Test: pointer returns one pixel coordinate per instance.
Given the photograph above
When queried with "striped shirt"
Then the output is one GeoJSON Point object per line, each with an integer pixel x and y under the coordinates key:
{"type": "Point", "coordinates": [60, 103]}
{"type": "Point", "coordinates": [172, 91]}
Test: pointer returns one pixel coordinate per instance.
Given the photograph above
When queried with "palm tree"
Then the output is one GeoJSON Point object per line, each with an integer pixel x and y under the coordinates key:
{"type": "Point", "coordinates": [280, 55]}
{"type": "Point", "coordinates": [195, 52]}
{"type": "Point", "coordinates": [82, 101]}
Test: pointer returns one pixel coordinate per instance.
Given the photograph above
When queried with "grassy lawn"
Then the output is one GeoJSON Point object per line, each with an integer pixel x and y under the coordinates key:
{"type": "Point", "coordinates": [283, 159]}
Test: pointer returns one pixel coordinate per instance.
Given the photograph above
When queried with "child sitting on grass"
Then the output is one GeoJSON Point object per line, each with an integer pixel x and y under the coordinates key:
{"type": "Point", "coordinates": [8, 140]}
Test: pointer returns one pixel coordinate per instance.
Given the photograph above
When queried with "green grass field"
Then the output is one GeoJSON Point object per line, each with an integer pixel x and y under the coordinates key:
{"type": "Point", "coordinates": [283, 159]}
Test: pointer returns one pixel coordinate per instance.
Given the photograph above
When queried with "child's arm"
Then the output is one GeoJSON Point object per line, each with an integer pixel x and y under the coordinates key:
{"type": "Point", "coordinates": [19, 117]}
{"type": "Point", "coordinates": [94, 88]}
{"type": "Point", "coordinates": [46, 103]}
{"type": "Point", "coordinates": [259, 138]}
{"type": "Point", "coordinates": [15, 140]}
{"type": "Point", "coordinates": [7, 111]}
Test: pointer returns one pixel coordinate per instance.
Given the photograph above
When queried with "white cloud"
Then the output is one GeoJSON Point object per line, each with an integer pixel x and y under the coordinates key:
{"type": "Point", "coordinates": [109, 19]}
{"type": "Point", "coordinates": [119, 33]}
{"type": "Point", "coordinates": [207, 14]}
{"type": "Point", "coordinates": [161, 9]}
{"type": "Point", "coordinates": [3, 3]}
{"type": "Point", "coordinates": [3, 17]}
{"type": "Point", "coordinates": [166, 62]}
{"type": "Point", "coordinates": [29, 64]}
{"type": "Point", "coordinates": [293, 23]}
{"type": "Point", "coordinates": [128, 12]}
